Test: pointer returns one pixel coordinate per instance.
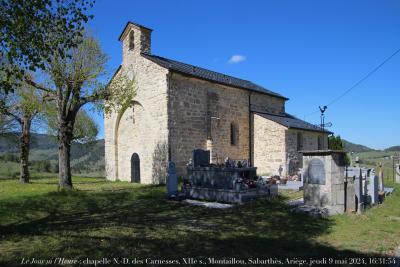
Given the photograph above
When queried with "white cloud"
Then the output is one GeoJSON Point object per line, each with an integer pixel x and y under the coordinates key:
{"type": "Point", "coordinates": [236, 59]}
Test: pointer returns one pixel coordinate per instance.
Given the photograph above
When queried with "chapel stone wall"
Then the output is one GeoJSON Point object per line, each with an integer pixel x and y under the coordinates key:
{"type": "Point", "coordinates": [143, 128]}
{"type": "Point", "coordinates": [192, 103]}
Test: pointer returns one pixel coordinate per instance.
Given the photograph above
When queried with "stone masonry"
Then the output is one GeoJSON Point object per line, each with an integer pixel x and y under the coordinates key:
{"type": "Point", "coordinates": [142, 129]}
{"type": "Point", "coordinates": [174, 113]}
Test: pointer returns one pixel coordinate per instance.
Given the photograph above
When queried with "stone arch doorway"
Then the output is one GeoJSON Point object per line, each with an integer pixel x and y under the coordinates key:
{"type": "Point", "coordinates": [135, 168]}
{"type": "Point", "coordinates": [116, 134]}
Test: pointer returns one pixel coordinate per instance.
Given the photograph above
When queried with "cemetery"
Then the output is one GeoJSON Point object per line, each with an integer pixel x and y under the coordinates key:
{"type": "Point", "coordinates": [329, 186]}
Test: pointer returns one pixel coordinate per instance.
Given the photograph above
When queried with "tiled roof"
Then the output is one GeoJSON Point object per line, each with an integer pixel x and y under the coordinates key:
{"type": "Point", "coordinates": [292, 122]}
{"type": "Point", "coordinates": [209, 75]}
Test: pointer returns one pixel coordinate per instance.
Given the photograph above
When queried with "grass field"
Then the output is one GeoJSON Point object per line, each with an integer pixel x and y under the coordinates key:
{"type": "Point", "coordinates": [118, 219]}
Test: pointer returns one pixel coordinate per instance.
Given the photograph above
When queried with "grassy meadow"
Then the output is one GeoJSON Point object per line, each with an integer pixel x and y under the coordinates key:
{"type": "Point", "coordinates": [119, 219]}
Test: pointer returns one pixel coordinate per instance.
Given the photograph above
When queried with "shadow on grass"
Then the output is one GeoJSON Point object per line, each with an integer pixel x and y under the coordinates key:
{"type": "Point", "coordinates": [140, 223]}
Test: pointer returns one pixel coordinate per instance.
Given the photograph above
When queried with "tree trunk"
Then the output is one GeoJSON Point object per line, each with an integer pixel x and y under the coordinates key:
{"type": "Point", "coordinates": [25, 140]}
{"type": "Point", "coordinates": [64, 156]}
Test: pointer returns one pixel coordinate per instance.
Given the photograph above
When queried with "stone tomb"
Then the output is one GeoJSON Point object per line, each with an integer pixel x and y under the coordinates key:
{"type": "Point", "coordinates": [224, 183]}
{"type": "Point", "coordinates": [325, 184]}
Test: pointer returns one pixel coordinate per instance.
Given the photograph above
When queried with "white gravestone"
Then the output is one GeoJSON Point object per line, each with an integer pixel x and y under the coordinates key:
{"type": "Point", "coordinates": [373, 188]}
{"type": "Point", "coordinates": [397, 173]}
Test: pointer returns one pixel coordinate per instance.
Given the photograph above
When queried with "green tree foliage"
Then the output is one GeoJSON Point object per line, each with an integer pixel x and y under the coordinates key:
{"type": "Point", "coordinates": [74, 81]}
{"type": "Point", "coordinates": [22, 107]}
{"type": "Point", "coordinates": [34, 32]}
{"type": "Point", "coordinates": [85, 128]}
{"type": "Point", "coordinates": [336, 143]}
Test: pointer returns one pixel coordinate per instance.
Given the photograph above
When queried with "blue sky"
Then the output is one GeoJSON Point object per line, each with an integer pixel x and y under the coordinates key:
{"type": "Point", "coordinates": [309, 51]}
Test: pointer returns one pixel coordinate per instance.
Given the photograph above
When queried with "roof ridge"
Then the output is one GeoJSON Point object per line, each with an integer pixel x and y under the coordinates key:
{"type": "Point", "coordinates": [151, 55]}
{"type": "Point", "coordinates": [210, 75]}
{"type": "Point", "coordinates": [296, 122]}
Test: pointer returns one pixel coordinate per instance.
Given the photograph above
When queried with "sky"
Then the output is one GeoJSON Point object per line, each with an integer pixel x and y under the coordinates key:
{"type": "Point", "coordinates": [308, 51]}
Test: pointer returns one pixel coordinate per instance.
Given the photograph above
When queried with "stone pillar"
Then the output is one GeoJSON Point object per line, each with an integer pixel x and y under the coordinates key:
{"type": "Point", "coordinates": [324, 181]}
{"type": "Point", "coordinates": [209, 146]}
{"type": "Point", "coordinates": [381, 183]}
{"type": "Point", "coordinates": [397, 173]}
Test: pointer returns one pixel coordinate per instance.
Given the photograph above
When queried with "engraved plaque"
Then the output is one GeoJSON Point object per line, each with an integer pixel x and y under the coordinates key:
{"type": "Point", "coordinates": [316, 172]}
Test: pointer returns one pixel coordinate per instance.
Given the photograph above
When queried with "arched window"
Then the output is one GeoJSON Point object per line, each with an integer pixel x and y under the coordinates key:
{"type": "Point", "coordinates": [131, 40]}
{"type": "Point", "coordinates": [234, 134]}
{"type": "Point", "coordinates": [299, 141]}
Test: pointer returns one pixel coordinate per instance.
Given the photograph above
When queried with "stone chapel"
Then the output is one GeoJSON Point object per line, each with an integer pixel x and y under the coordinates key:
{"type": "Point", "coordinates": [180, 107]}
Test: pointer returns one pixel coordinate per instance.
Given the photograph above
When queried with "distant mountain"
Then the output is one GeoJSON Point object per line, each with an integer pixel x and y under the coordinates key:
{"type": "Point", "coordinates": [9, 142]}
{"type": "Point", "coordinates": [356, 148]}
{"type": "Point", "coordinates": [86, 158]}
{"type": "Point", "coordinates": [90, 157]}
{"type": "Point", "coordinates": [393, 149]}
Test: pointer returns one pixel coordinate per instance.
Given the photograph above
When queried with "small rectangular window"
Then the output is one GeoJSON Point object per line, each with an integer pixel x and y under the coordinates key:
{"type": "Point", "coordinates": [234, 134]}
{"type": "Point", "coordinates": [320, 147]}
{"type": "Point", "coordinates": [299, 141]}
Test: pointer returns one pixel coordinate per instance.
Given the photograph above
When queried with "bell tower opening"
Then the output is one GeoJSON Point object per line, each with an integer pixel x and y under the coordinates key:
{"type": "Point", "coordinates": [135, 39]}
{"type": "Point", "coordinates": [131, 40]}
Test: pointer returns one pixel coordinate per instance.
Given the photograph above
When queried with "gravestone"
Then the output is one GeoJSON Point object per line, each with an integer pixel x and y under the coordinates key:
{"type": "Point", "coordinates": [358, 186]}
{"type": "Point", "coordinates": [201, 158]}
{"type": "Point", "coordinates": [369, 189]}
{"type": "Point", "coordinates": [397, 173]}
{"type": "Point", "coordinates": [381, 184]}
{"type": "Point", "coordinates": [172, 180]}
{"type": "Point", "coordinates": [373, 188]}
{"type": "Point", "coordinates": [324, 181]}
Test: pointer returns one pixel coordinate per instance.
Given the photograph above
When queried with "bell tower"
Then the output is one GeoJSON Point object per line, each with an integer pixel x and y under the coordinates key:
{"type": "Point", "coordinates": [135, 39]}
